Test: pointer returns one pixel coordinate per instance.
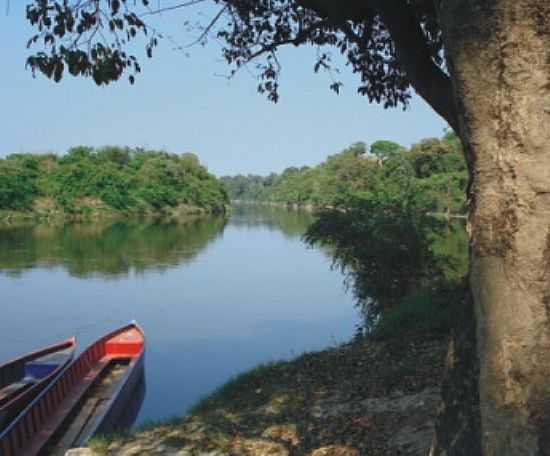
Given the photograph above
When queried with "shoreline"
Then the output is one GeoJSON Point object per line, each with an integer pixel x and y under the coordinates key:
{"type": "Point", "coordinates": [359, 398]}
{"type": "Point", "coordinates": [56, 214]}
{"type": "Point", "coordinates": [308, 207]}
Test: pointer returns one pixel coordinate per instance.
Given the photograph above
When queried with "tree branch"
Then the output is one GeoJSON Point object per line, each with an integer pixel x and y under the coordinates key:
{"type": "Point", "coordinates": [171, 8]}
{"type": "Point", "coordinates": [300, 38]}
{"type": "Point", "coordinates": [414, 56]}
{"type": "Point", "coordinates": [413, 53]}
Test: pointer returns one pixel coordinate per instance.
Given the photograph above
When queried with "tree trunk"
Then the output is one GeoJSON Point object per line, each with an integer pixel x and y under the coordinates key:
{"type": "Point", "coordinates": [458, 427]}
{"type": "Point", "coordinates": [499, 59]}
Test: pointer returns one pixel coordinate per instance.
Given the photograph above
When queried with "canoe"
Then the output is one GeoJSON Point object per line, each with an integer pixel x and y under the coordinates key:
{"type": "Point", "coordinates": [23, 378]}
{"type": "Point", "coordinates": [86, 398]}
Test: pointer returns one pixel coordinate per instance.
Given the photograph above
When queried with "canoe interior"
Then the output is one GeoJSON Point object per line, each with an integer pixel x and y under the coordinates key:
{"type": "Point", "coordinates": [23, 379]}
{"type": "Point", "coordinates": [78, 402]}
{"type": "Point", "coordinates": [45, 365]}
{"type": "Point", "coordinates": [36, 365]}
{"type": "Point", "coordinates": [82, 422]}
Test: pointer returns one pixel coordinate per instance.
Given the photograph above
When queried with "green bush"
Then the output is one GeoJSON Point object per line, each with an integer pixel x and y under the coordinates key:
{"type": "Point", "coordinates": [426, 314]}
{"type": "Point", "coordinates": [17, 184]}
{"type": "Point", "coordinates": [134, 180]}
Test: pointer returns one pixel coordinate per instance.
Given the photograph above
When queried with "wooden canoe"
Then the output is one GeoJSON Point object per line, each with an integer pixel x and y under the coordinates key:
{"type": "Point", "coordinates": [86, 398]}
{"type": "Point", "coordinates": [23, 378]}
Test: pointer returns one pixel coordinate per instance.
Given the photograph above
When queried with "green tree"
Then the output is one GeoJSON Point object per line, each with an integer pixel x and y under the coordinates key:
{"type": "Point", "coordinates": [439, 163]}
{"type": "Point", "coordinates": [483, 66]}
{"type": "Point", "coordinates": [122, 178]}
{"type": "Point", "coordinates": [17, 183]}
{"type": "Point", "coordinates": [351, 170]}
{"type": "Point", "coordinates": [384, 148]}
{"type": "Point", "coordinates": [383, 238]}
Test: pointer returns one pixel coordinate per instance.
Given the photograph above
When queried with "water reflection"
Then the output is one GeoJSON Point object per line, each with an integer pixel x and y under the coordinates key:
{"type": "Point", "coordinates": [291, 223]}
{"type": "Point", "coordinates": [214, 297]}
{"type": "Point", "coordinates": [106, 249]}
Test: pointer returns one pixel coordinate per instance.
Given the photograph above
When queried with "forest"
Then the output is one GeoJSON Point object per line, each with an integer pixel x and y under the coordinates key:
{"type": "Point", "coordinates": [433, 169]}
{"type": "Point", "coordinates": [117, 180]}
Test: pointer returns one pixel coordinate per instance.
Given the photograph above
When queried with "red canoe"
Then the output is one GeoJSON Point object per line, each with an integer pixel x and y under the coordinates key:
{"type": "Point", "coordinates": [86, 398]}
{"type": "Point", "coordinates": [22, 379]}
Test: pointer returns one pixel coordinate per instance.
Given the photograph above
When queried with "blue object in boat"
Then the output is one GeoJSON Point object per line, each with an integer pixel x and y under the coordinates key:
{"type": "Point", "coordinates": [39, 369]}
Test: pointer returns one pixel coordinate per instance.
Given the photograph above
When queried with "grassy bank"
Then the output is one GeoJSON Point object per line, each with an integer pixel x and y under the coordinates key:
{"type": "Point", "coordinates": [376, 395]}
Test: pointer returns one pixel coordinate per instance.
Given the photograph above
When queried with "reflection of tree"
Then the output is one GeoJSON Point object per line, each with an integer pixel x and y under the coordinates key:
{"type": "Point", "coordinates": [292, 223]}
{"type": "Point", "coordinates": [453, 243]}
{"type": "Point", "coordinates": [112, 249]}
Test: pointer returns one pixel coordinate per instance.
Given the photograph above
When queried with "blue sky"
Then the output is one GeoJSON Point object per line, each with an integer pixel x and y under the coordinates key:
{"type": "Point", "coordinates": [182, 103]}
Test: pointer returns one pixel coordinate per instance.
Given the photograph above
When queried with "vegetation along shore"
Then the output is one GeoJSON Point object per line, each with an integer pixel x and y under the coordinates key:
{"type": "Point", "coordinates": [435, 166]}
{"type": "Point", "coordinates": [109, 182]}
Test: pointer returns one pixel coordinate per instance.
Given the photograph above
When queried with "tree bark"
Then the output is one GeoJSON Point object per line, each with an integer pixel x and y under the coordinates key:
{"type": "Point", "coordinates": [499, 59]}
{"type": "Point", "coordinates": [458, 423]}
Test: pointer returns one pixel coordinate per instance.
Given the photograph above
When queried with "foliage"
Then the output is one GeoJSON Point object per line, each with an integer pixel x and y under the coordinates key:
{"type": "Point", "coordinates": [382, 237]}
{"type": "Point", "coordinates": [17, 182]}
{"type": "Point", "coordinates": [384, 148]}
{"type": "Point", "coordinates": [430, 313]}
{"type": "Point", "coordinates": [56, 21]}
{"type": "Point", "coordinates": [452, 242]}
{"type": "Point", "coordinates": [133, 180]}
{"type": "Point", "coordinates": [437, 164]}
{"type": "Point", "coordinates": [74, 36]}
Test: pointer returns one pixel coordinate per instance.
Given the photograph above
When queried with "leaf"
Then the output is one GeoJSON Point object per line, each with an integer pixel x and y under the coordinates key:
{"type": "Point", "coordinates": [58, 73]}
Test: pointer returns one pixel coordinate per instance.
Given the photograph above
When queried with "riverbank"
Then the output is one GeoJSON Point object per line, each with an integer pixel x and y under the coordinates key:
{"type": "Point", "coordinates": [48, 210]}
{"type": "Point", "coordinates": [360, 398]}
{"type": "Point", "coordinates": [307, 206]}
{"type": "Point", "coordinates": [89, 183]}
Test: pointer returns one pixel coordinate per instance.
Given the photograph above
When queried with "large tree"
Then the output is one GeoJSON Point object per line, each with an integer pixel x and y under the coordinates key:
{"type": "Point", "coordinates": [484, 66]}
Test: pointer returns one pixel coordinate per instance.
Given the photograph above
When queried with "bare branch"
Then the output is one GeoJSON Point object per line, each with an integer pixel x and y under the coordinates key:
{"type": "Point", "coordinates": [208, 27]}
{"type": "Point", "coordinates": [173, 7]}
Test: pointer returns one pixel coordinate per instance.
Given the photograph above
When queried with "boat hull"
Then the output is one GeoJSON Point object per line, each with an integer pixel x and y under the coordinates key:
{"type": "Point", "coordinates": [33, 366]}
{"type": "Point", "coordinates": [53, 421]}
{"type": "Point", "coordinates": [125, 405]}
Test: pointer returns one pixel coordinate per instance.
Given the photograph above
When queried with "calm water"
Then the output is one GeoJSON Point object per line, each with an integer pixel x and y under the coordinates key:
{"type": "Point", "coordinates": [214, 297]}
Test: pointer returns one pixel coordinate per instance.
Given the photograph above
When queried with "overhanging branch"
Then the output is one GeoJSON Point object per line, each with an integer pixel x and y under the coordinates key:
{"type": "Point", "coordinates": [413, 53]}
{"type": "Point", "coordinates": [430, 82]}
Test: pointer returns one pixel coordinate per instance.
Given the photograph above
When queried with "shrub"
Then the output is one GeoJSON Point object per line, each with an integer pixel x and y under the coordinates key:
{"type": "Point", "coordinates": [426, 314]}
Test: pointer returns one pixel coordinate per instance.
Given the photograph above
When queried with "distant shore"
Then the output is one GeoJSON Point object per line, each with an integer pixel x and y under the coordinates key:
{"type": "Point", "coordinates": [47, 210]}
{"type": "Point", "coordinates": [309, 207]}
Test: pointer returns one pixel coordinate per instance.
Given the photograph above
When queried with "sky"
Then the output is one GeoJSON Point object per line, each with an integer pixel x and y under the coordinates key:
{"type": "Point", "coordinates": [182, 102]}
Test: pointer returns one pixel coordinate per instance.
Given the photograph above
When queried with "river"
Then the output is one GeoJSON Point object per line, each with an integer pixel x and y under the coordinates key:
{"type": "Point", "coordinates": [214, 296]}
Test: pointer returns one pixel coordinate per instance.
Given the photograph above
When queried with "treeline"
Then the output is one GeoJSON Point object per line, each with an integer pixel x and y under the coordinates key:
{"type": "Point", "coordinates": [118, 179]}
{"type": "Point", "coordinates": [435, 165]}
